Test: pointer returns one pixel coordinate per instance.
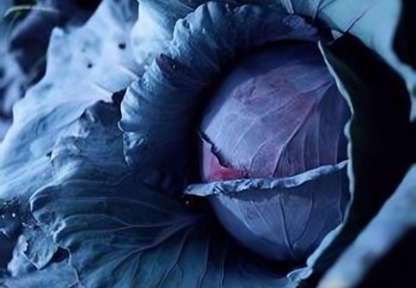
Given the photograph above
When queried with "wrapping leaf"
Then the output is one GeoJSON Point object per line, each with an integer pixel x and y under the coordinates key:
{"type": "Point", "coordinates": [391, 231]}
{"type": "Point", "coordinates": [379, 140]}
{"type": "Point", "coordinates": [380, 153]}
{"type": "Point", "coordinates": [282, 219]}
{"type": "Point", "coordinates": [159, 19]}
{"type": "Point", "coordinates": [373, 22]}
{"type": "Point", "coordinates": [159, 109]}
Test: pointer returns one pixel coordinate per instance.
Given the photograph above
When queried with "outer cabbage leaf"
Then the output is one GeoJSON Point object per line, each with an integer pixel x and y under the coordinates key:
{"type": "Point", "coordinates": [12, 77]}
{"type": "Point", "coordinates": [86, 201]}
{"type": "Point", "coordinates": [156, 22]}
{"type": "Point", "coordinates": [122, 233]}
{"type": "Point", "coordinates": [383, 27]}
{"type": "Point", "coordinates": [29, 39]}
{"type": "Point", "coordinates": [24, 41]}
{"type": "Point", "coordinates": [375, 23]}
{"type": "Point", "coordinates": [35, 245]}
{"type": "Point", "coordinates": [381, 254]}
{"type": "Point", "coordinates": [63, 276]}
{"type": "Point", "coordinates": [380, 153]}
{"type": "Point", "coordinates": [162, 107]}
{"type": "Point", "coordinates": [6, 247]}
{"type": "Point", "coordinates": [84, 66]}
{"type": "Point", "coordinates": [12, 80]}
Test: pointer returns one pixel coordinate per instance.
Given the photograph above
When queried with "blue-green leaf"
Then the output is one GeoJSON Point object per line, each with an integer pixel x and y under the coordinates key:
{"type": "Point", "coordinates": [374, 22]}
{"type": "Point", "coordinates": [161, 108]}
{"type": "Point", "coordinates": [380, 153]}
{"type": "Point", "coordinates": [382, 252]}
{"type": "Point", "coordinates": [121, 233]}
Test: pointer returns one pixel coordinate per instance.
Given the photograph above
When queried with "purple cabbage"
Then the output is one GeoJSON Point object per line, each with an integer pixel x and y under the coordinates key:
{"type": "Point", "coordinates": [277, 121]}
{"type": "Point", "coordinates": [86, 213]}
{"type": "Point", "coordinates": [87, 219]}
{"type": "Point", "coordinates": [278, 114]}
